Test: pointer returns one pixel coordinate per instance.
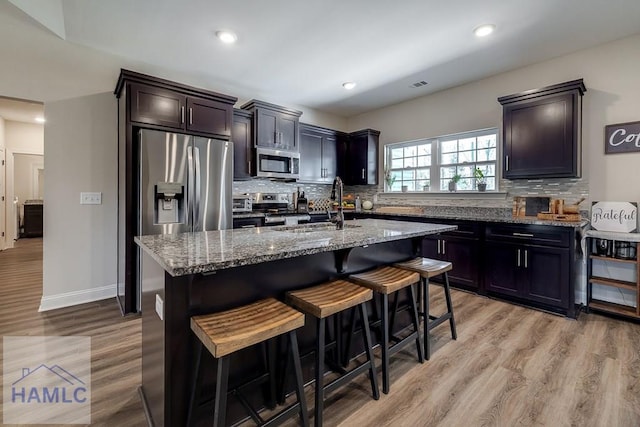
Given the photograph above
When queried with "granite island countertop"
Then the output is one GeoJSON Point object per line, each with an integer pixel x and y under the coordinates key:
{"type": "Point", "coordinates": [202, 252]}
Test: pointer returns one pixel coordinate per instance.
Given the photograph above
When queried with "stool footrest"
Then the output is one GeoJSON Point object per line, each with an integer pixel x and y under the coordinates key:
{"type": "Point", "coordinates": [435, 321]}
{"type": "Point", "coordinates": [403, 343]}
{"type": "Point", "coordinates": [344, 379]}
{"type": "Point", "coordinates": [282, 416]}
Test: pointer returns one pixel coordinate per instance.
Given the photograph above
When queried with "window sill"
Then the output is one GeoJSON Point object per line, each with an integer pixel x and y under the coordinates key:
{"type": "Point", "coordinates": [497, 195]}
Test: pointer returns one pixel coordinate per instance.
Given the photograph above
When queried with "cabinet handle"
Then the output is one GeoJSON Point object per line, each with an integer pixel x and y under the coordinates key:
{"type": "Point", "coordinates": [444, 247]}
{"type": "Point", "coordinates": [518, 257]}
{"type": "Point", "coordinates": [249, 166]}
{"type": "Point", "coordinates": [523, 234]}
{"type": "Point", "coordinates": [438, 246]}
{"type": "Point", "coordinates": [507, 161]}
{"type": "Point", "coordinates": [526, 258]}
{"type": "Point", "coordinates": [182, 114]}
{"type": "Point", "coordinates": [190, 116]}
{"type": "Point", "coordinates": [362, 173]}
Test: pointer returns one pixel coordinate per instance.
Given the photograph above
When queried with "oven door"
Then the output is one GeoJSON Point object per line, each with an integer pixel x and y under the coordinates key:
{"type": "Point", "coordinates": [277, 164]}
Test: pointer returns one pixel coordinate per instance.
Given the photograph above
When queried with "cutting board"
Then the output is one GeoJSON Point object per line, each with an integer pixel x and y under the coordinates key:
{"type": "Point", "coordinates": [530, 206]}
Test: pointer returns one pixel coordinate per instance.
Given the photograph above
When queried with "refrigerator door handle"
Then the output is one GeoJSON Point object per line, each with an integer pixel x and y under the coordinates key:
{"type": "Point", "coordinates": [197, 193]}
{"type": "Point", "coordinates": [191, 192]}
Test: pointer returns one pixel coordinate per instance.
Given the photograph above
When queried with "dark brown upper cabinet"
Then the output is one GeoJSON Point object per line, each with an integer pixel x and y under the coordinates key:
{"type": "Point", "coordinates": [542, 132]}
{"type": "Point", "coordinates": [243, 152]}
{"type": "Point", "coordinates": [275, 127]}
{"type": "Point", "coordinates": [358, 158]}
{"type": "Point", "coordinates": [161, 104]}
{"type": "Point", "coordinates": [318, 154]}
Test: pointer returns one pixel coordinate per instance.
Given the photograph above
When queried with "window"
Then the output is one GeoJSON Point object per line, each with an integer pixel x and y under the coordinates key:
{"type": "Point", "coordinates": [429, 164]}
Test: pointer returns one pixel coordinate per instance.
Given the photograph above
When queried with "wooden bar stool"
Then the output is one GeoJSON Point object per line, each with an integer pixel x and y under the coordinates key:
{"type": "Point", "coordinates": [386, 281]}
{"type": "Point", "coordinates": [428, 268]}
{"type": "Point", "coordinates": [229, 331]}
{"type": "Point", "coordinates": [325, 300]}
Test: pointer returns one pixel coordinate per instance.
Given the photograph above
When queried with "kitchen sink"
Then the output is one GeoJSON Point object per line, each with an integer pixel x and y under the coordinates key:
{"type": "Point", "coordinates": [310, 228]}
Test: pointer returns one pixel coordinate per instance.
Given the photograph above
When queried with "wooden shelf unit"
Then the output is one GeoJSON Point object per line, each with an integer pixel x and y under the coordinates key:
{"type": "Point", "coordinates": [607, 306]}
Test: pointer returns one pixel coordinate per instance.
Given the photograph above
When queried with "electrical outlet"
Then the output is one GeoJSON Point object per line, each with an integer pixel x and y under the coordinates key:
{"type": "Point", "coordinates": [90, 198]}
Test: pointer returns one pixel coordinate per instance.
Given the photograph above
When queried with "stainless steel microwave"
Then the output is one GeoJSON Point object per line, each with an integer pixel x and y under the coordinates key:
{"type": "Point", "coordinates": [277, 163]}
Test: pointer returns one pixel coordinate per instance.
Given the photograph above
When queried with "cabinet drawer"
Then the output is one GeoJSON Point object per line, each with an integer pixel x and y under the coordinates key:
{"type": "Point", "coordinates": [530, 235]}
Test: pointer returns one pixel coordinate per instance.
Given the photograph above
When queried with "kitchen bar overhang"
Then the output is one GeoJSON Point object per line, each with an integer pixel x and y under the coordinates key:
{"type": "Point", "coordinates": [204, 272]}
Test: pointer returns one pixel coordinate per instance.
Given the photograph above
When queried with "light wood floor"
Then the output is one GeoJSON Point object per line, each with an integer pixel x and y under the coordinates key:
{"type": "Point", "coordinates": [511, 366]}
{"type": "Point", "coordinates": [115, 340]}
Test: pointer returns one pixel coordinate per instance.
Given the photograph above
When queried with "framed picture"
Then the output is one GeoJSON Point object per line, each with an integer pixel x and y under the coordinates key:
{"type": "Point", "coordinates": [621, 217]}
{"type": "Point", "coordinates": [622, 138]}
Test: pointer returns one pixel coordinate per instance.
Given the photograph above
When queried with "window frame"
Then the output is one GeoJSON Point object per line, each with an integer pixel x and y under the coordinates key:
{"type": "Point", "coordinates": [434, 167]}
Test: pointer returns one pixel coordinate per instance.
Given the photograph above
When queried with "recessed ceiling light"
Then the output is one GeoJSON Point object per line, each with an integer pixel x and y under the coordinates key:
{"type": "Point", "coordinates": [227, 37]}
{"type": "Point", "coordinates": [484, 30]}
{"type": "Point", "coordinates": [348, 85]}
{"type": "Point", "coordinates": [40, 119]}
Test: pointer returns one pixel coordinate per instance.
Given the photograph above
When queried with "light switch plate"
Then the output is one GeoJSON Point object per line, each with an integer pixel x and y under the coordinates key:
{"type": "Point", "coordinates": [90, 198]}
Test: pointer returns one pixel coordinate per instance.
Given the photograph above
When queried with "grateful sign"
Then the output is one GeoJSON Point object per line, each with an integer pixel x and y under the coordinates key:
{"type": "Point", "coordinates": [622, 138]}
{"type": "Point", "coordinates": [621, 217]}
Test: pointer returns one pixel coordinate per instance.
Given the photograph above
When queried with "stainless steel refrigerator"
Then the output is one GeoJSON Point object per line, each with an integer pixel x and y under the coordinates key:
{"type": "Point", "coordinates": [184, 184]}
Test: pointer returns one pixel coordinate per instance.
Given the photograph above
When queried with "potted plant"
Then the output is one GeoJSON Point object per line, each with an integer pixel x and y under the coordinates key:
{"type": "Point", "coordinates": [481, 183]}
{"type": "Point", "coordinates": [453, 183]}
{"type": "Point", "coordinates": [389, 178]}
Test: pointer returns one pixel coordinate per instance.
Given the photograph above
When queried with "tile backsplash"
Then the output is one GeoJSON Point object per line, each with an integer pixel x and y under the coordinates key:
{"type": "Point", "coordinates": [569, 189]}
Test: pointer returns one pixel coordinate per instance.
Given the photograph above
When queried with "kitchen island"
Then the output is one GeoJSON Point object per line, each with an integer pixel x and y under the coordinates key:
{"type": "Point", "coordinates": [195, 273]}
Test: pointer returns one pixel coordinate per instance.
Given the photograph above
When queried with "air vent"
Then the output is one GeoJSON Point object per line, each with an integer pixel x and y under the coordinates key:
{"type": "Point", "coordinates": [419, 84]}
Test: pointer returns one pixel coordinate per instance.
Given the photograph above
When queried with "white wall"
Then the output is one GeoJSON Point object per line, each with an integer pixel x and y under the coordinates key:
{"type": "Point", "coordinates": [2, 131]}
{"type": "Point", "coordinates": [610, 73]}
{"type": "Point", "coordinates": [27, 138]}
{"type": "Point", "coordinates": [80, 240]}
{"type": "Point", "coordinates": [3, 186]}
{"type": "Point", "coordinates": [20, 138]}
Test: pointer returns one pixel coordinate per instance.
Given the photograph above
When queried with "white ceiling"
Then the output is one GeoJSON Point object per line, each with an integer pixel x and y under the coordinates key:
{"type": "Point", "coordinates": [297, 52]}
{"type": "Point", "coordinates": [20, 111]}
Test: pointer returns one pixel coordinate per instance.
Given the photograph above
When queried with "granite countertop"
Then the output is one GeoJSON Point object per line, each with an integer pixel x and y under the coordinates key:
{"type": "Point", "coordinates": [201, 252]}
{"type": "Point", "coordinates": [482, 216]}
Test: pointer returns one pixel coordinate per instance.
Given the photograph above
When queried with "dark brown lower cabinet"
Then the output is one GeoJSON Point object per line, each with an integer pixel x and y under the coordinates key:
{"type": "Point", "coordinates": [462, 249]}
{"type": "Point", "coordinates": [516, 266]}
{"type": "Point", "coordinates": [33, 220]}
{"type": "Point", "coordinates": [529, 264]}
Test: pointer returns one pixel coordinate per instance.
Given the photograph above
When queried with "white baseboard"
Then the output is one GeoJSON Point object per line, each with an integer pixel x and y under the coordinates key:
{"type": "Point", "coordinates": [68, 299]}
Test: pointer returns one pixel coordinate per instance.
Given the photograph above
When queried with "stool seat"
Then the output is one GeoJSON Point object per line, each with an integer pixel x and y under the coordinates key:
{"type": "Point", "coordinates": [229, 331]}
{"type": "Point", "coordinates": [386, 280]}
{"type": "Point", "coordinates": [426, 267]}
{"type": "Point", "coordinates": [329, 298]}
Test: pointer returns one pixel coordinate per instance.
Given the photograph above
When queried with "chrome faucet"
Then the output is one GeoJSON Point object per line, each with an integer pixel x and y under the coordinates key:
{"type": "Point", "coordinates": [339, 218]}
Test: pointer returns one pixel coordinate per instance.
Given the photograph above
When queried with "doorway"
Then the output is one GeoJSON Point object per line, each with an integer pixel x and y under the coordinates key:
{"type": "Point", "coordinates": [28, 182]}
{"type": "Point", "coordinates": [21, 134]}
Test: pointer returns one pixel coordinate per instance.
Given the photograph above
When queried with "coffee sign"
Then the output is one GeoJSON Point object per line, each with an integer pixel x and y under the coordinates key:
{"type": "Point", "coordinates": [621, 217]}
{"type": "Point", "coordinates": [622, 138]}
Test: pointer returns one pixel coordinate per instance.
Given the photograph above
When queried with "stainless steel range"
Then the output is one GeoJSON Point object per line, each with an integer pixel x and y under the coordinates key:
{"type": "Point", "coordinates": [277, 209]}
